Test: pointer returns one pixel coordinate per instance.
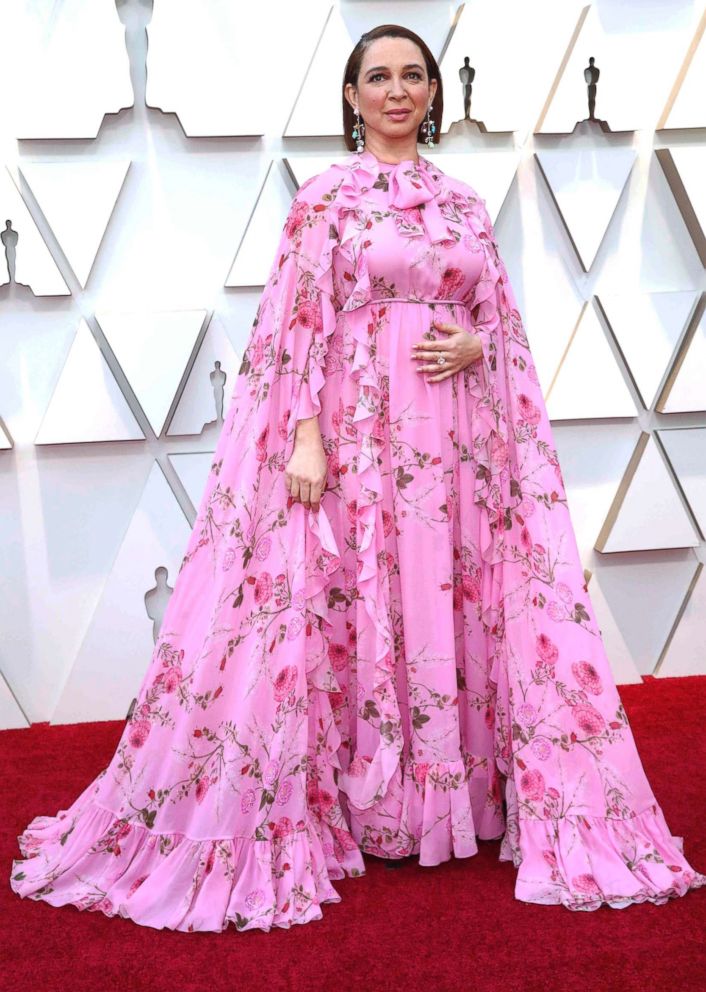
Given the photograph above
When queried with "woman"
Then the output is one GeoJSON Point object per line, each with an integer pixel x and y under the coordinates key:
{"type": "Point", "coordinates": [398, 655]}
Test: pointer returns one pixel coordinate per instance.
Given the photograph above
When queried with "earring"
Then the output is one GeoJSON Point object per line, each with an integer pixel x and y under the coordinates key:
{"type": "Point", "coordinates": [429, 128]}
{"type": "Point", "coordinates": [359, 132]}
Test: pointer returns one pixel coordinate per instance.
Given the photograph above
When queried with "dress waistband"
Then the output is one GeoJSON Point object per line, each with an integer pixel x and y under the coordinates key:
{"type": "Point", "coordinates": [408, 299]}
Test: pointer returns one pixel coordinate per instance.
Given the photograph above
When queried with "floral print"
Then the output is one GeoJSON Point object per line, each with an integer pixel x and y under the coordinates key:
{"type": "Point", "coordinates": [416, 665]}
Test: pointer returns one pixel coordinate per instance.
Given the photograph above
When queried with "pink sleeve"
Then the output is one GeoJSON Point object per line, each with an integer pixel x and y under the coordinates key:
{"type": "Point", "coordinates": [296, 314]}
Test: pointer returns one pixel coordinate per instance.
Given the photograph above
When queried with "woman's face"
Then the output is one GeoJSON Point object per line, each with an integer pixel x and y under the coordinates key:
{"type": "Point", "coordinates": [393, 77]}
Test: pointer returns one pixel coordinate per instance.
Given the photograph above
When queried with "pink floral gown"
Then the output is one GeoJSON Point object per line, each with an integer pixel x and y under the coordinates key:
{"type": "Point", "coordinates": [412, 668]}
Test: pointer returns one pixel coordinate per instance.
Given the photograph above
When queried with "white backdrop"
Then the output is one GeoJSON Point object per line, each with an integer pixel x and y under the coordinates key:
{"type": "Point", "coordinates": [142, 193]}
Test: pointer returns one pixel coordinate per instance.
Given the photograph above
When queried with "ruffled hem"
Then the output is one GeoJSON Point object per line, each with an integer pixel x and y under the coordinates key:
{"type": "Point", "coordinates": [585, 862]}
{"type": "Point", "coordinates": [435, 810]}
{"type": "Point", "coordinates": [96, 861]}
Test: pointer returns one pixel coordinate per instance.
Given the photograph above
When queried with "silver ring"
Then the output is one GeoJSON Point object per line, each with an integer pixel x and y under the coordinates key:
{"type": "Point", "coordinates": [441, 360]}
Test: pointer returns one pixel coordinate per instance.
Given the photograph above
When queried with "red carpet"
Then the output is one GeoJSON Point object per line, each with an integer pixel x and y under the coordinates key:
{"type": "Point", "coordinates": [453, 927]}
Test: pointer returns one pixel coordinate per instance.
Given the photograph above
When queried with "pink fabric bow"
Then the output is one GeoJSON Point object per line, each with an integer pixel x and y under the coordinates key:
{"type": "Point", "coordinates": [410, 185]}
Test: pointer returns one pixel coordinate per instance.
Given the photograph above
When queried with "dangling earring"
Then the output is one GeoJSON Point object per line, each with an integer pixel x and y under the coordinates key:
{"type": "Point", "coordinates": [359, 133]}
{"type": "Point", "coordinates": [429, 128]}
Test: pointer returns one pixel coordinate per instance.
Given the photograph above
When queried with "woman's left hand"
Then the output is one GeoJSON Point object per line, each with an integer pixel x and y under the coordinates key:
{"type": "Point", "coordinates": [459, 349]}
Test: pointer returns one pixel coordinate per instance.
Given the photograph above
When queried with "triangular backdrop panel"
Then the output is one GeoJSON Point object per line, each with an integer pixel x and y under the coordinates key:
{"type": "Point", "coordinates": [686, 450]}
{"type": "Point", "coordinates": [589, 383]}
{"type": "Point", "coordinates": [648, 328]}
{"type": "Point", "coordinates": [11, 716]}
{"type": "Point", "coordinates": [636, 71]}
{"type": "Point", "coordinates": [193, 469]}
{"type": "Point", "coordinates": [317, 109]}
{"type": "Point", "coordinates": [659, 582]}
{"type": "Point", "coordinates": [686, 654]}
{"type": "Point", "coordinates": [87, 403]}
{"type": "Point", "coordinates": [155, 351]}
{"type": "Point", "coordinates": [684, 170]}
{"type": "Point", "coordinates": [118, 644]}
{"type": "Point", "coordinates": [256, 253]}
{"type": "Point", "coordinates": [685, 389]}
{"type": "Point", "coordinates": [77, 199]}
{"type": "Point", "coordinates": [62, 86]}
{"type": "Point", "coordinates": [647, 513]}
{"type": "Point", "coordinates": [505, 96]}
{"type": "Point", "coordinates": [34, 265]}
{"type": "Point", "coordinates": [586, 184]}
{"type": "Point", "coordinates": [686, 106]}
{"type": "Point", "coordinates": [206, 395]}
{"type": "Point", "coordinates": [5, 439]}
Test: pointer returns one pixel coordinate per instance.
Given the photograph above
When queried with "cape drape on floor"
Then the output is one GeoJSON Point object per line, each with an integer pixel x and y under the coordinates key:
{"type": "Point", "coordinates": [227, 798]}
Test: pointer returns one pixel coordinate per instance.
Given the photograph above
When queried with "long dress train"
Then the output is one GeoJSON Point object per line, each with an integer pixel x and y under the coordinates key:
{"type": "Point", "coordinates": [413, 667]}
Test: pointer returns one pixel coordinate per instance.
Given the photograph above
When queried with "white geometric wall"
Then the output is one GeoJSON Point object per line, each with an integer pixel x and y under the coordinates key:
{"type": "Point", "coordinates": [142, 193]}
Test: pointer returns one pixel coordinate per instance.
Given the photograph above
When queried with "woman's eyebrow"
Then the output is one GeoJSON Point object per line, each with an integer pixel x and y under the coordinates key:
{"type": "Point", "coordinates": [377, 68]}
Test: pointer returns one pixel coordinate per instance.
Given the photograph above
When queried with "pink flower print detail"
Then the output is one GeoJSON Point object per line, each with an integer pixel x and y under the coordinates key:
{"type": "Point", "coordinates": [211, 860]}
{"type": "Point", "coordinates": [547, 649]}
{"type": "Point", "coordinates": [387, 522]}
{"type": "Point", "coordinates": [263, 587]}
{"type": "Point", "coordinates": [359, 765]}
{"type": "Point", "coordinates": [587, 677]}
{"type": "Point", "coordinates": [564, 593]}
{"type": "Point", "coordinates": [550, 858]}
{"type": "Point", "coordinates": [555, 611]}
{"type": "Point", "coordinates": [498, 453]}
{"type": "Point", "coordinates": [139, 732]}
{"type": "Point", "coordinates": [295, 627]}
{"type": "Point", "coordinates": [421, 771]}
{"type": "Point", "coordinates": [588, 719]}
{"type": "Point", "coordinates": [586, 883]}
{"type": "Point", "coordinates": [104, 906]}
{"type": "Point", "coordinates": [261, 445]}
{"type": "Point", "coordinates": [528, 411]}
{"type": "Point", "coordinates": [283, 828]}
{"type": "Point", "coordinates": [135, 885]}
{"type": "Point", "coordinates": [490, 716]}
{"type": "Point", "coordinates": [527, 507]}
{"type": "Point", "coordinates": [298, 600]}
{"type": "Point", "coordinates": [263, 548]}
{"type": "Point", "coordinates": [257, 353]}
{"type": "Point", "coordinates": [554, 793]}
{"type": "Point", "coordinates": [344, 839]}
{"type": "Point", "coordinates": [457, 597]}
{"type": "Point", "coordinates": [283, 425]}
{"type": "Point", "coordinates": [471, 589]}
{"type": "Point", "coordinates": [284, 793]}
{"type": "Point", "coordinates": [172, 679]}
{"type": "Point", "coordinates": [286, 681]}
{"type": "Point", "coordinates": [451, 282]}
{"type": "Point", "coordinates": [309, 315]}
{"type": "Point", "coordinates": [247, 801]}
{"type": "Point", "coordinates": [202, 788]}
{"type": "Point", "coordinates": [254, 899]}
{"type": "Point", "coordinates": [532, 375]}
{"type": "Point", "coordinates": [338, 656]}
{"type": "Point", "coordinates": [296, 218]}
{"type": "Point", "coordinates": [228, 559]}
{"type": "Point", "coordinates": [526, 539]}
{"type": "Point", "coordinates": [532, 784]}
{"type": "Point", "coordinates": [270, 773]}
{"type": "Point", "coordinates": [526, 714]}
{"type": "Point", "coordinates": [541, 748]}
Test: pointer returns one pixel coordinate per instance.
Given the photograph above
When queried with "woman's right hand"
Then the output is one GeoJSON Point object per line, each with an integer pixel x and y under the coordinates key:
{"type": "Point", "coordinates": [305, 473]}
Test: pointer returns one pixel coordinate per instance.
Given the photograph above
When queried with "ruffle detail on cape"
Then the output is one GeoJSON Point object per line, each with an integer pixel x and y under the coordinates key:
{"type": "Point", "coordinates": [584, 862]}
{"type": "Point", "coordinates": [170, 881]}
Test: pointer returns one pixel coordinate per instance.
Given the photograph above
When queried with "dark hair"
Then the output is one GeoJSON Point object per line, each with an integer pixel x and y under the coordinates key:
{"type": "Point", "coordinates": [352, 71]}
